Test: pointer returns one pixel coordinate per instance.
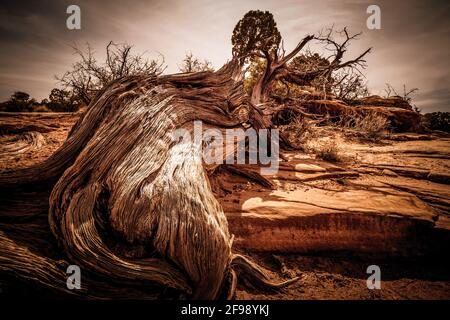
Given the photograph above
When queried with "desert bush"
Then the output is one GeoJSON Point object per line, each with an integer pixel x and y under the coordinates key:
{"type": "Point", "coordinates": [328, 151]}
{"type": "Point", "coordinates": [59, 101]}
{"type": "Point", "coordinates": [437, 121]}
{"type": "Point", "coordinates": [41, 108]}
{"type": "Point", "coordinates": [63, 101]}
{"type": "Point", "coordinates": [298, 131]}
{"type": "Point", "coordinates": [348, 86]}
{"type": "Point", "coordinates": [18, 102]}
{"type": "Point", "coordinates": [305, 134]}
{"type": "Point", "coordinates": [368, 126]}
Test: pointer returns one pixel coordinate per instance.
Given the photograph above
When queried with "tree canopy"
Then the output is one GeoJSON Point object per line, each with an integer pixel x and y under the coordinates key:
{"type": "Point", "coordinates": [255, 34]}
{"type": "Point", "coordinates": [256, 39]}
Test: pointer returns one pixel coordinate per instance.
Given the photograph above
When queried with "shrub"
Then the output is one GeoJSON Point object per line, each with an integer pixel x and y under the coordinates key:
{"type": "Point", "coordinates": [369, 126]}
{"type": "Point", "coordinates": [18, 102]}
{"type": "Point", "coordinates": [41, 108]}
{"type": "Point", "coordinates": [329, 151]}
{"type": "Point", "coordinates": [62, 101]}
{"type": "Point", "coordinates": [438, 121]}
{"type": "Point", "coordinates": [298, 131]}
{"type": "Point", "coordinates": [59, 101]}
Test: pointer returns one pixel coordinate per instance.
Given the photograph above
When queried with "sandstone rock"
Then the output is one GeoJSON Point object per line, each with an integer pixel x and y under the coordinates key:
{"type": "Point", "coordinates": [401, 118]}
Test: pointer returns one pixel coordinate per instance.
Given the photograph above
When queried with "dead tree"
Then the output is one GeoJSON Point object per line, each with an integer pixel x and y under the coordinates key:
{"type": "Point", "coordinates": [256, 36]}
{"type": "Point", "coordinates": [125, 201]}
{"type": "Point", "coordinates": [277, 68]}
{"type": "Point", "coordinates": [129, 203]}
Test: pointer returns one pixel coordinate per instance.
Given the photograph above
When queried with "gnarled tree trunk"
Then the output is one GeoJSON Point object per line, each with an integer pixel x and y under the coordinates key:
{"type": "Point", "coordinates": [125, 201]}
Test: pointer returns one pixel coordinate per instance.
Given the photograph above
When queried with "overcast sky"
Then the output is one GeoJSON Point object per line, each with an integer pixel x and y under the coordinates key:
{"type": "Point", "coordinates": [411, 48]}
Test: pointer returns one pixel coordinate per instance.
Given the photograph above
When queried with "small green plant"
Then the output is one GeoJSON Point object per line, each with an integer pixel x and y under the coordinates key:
{"type": "Point", "coordinates": [329, 151]}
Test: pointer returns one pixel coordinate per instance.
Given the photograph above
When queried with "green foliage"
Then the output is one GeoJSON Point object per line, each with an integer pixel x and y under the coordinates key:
{"type": "Point", "coordinates": [18, 102]}
{"type": "Point", "coordinates": [256, 40]}
{"type": "Point", "coordinates": [59, 101]}
{"type": "Point", "coordinates": [310, 62]}
{"type": "Point", "coordinates": [301, 63]}
{"type": "Point", "coordinates": [278, 88]}
{"type": "Point", "coordinates": [256, 32]}
{"type": "Point", "coordinates": [343, 85]}
{"type": "Point", "coordinates": [254, 72]}
{"type": "Point", "coordinates": [41, 108]}
{"type": "Point", "coordinates": [20, 96]}
{"type": "Point", "coordinates": [438, 121]}
{"type": "Point", "coordinates": [62, 101]}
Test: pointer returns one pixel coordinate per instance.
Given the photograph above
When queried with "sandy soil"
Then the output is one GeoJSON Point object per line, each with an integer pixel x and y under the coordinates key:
{"type": "Point", "coordinates": [51, 129]}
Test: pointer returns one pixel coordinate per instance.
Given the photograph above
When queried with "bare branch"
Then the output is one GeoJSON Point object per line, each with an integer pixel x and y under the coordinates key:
{"type": "Point", "coordinates": [296, 50]}
{"type": "Point", "coordinates": [88, 75]}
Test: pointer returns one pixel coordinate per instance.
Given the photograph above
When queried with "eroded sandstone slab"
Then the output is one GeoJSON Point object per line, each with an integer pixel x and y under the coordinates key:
{"type": "Point", "coordinates": [317, 206]}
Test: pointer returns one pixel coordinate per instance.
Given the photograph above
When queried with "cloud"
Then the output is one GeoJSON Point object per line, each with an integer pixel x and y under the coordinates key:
{"type": "Point", "coordinates": [411, 48]}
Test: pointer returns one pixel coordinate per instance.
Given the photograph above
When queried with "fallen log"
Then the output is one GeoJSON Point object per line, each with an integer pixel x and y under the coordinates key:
{"type": "Point", "coordinates": [125, 201]}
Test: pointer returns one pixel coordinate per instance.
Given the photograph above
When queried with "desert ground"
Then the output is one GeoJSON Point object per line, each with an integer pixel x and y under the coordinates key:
{"type": "Point", "coordinates": [382, 203]}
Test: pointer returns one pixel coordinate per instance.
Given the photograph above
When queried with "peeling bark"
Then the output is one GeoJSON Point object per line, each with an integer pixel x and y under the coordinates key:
{"type": "Point", "coordinates": [127, 202]}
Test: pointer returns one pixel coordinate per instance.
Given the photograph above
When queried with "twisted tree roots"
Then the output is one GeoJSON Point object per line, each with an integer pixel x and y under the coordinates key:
{"type": "Point", "coordinates": [125, 201]}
